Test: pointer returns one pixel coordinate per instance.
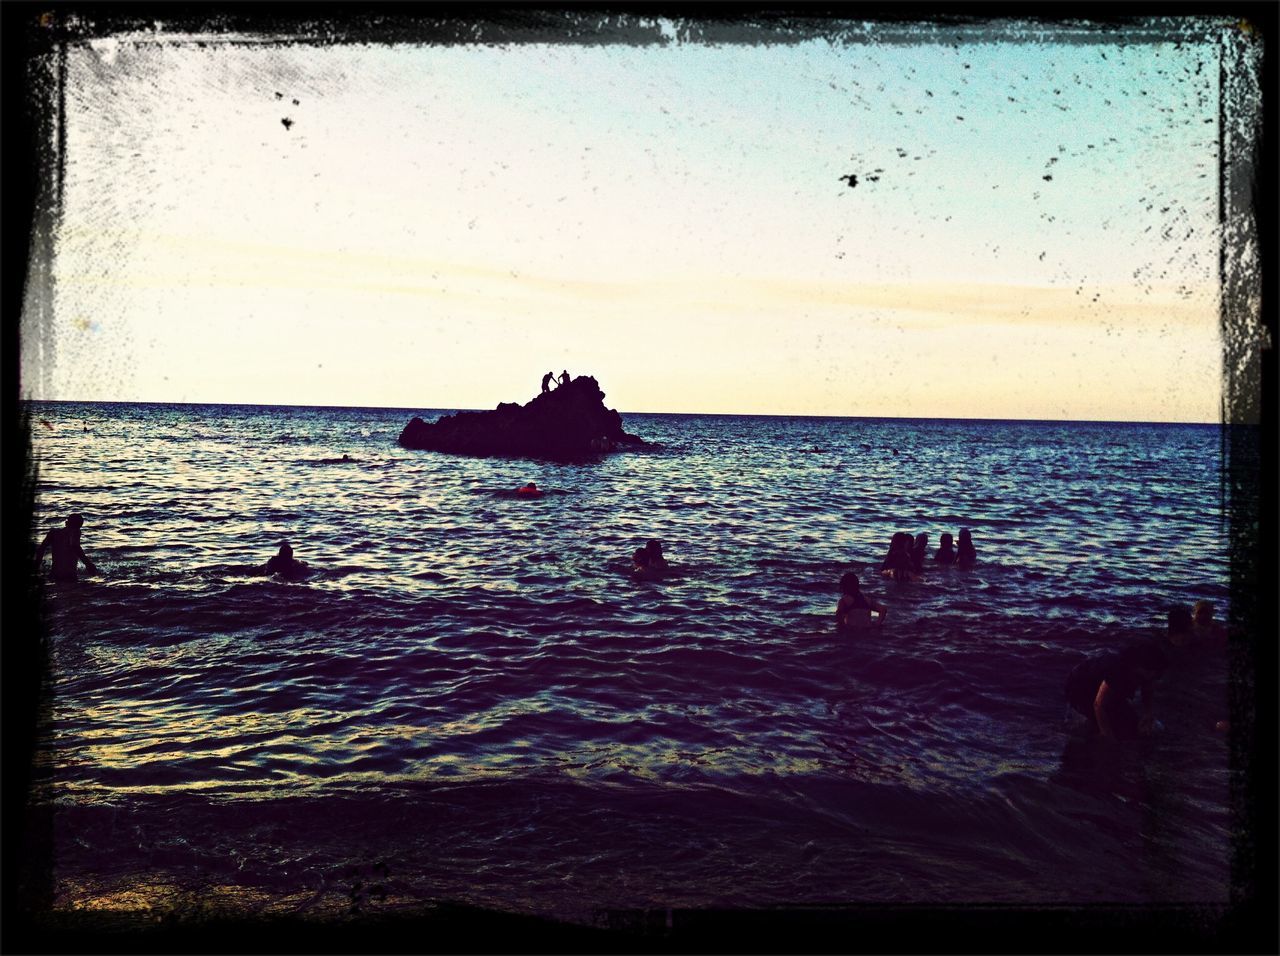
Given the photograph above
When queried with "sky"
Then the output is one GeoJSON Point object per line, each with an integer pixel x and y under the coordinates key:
{"type": "Point", "coordinates": [1032, 231]}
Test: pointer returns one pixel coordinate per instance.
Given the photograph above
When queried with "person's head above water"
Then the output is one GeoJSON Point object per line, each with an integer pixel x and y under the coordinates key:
{"type": "Point", "coordinates": [531, 486]}
{"type": "Point", "coordinates": [849, 583]}
{"type": "Point", "coordinates": [285, 550]}
{"type": "Point", "coordinates": [1202, 612]}
{"type": "Point", "coordinates": [74, 521]}
{"type": "Point", "coordinates": [654, 547]}
{"type": "Point", "coordinates": [946, 541]}
{"type": "Point", "coordinates": [922, 540]}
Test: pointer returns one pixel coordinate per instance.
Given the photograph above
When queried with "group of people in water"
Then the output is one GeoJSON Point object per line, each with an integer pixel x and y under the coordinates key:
{"type": "Point", "coordinates": [1100, 688]}
{"type": "Point", "coordinates": [67, 555]}
{"type": "Point", "coordinates": [906, 561]}
{"type": "Point", "coordinates": [908, 557]}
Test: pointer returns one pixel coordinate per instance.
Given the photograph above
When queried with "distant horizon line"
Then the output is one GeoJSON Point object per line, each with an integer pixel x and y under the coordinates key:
{"type": "Point", "coordinates": [454, 409]}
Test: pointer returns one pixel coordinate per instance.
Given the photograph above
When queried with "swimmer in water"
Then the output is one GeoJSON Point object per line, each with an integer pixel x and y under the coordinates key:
{"type": "Point", "coordinates": [67, 553]}
{"type": "Point", "coordinates": [1203, 627]}
{"type": "Point", "coordinates": [1101, 686]}
{"type": "Point", "coordinates": [285, 565]}
{"type": "Point", "coordinates": [649, 562]}
{"type": "Point", "coordinates": [897, 563]}
{"type": "Point", "coordinates": [653, 551]}
{"type": "Point", "coordinates": [893, 544]}
{"type": "Point", "coordinates": [945, 553]}
{"type": "Point", "coordinates": [854, 609]}
{"type": "Point", "coordinates": [919, 551]}
{"type": "Point", "coordinates": [967, 554]}
{"type": "Point", "coordinates": [529, 491]}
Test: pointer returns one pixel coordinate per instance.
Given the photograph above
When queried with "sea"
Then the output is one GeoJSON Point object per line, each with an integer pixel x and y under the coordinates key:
{"type": "Point", "coordinates": [471, 700]}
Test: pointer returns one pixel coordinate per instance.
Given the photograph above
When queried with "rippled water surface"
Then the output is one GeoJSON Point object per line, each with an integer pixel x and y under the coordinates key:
{"type": "Point", "coordinates": [471, 700]}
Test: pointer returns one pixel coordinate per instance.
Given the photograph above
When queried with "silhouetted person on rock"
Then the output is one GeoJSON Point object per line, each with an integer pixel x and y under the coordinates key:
{"type": "Point", "coordinates": [946, 554]}
{"type": "Point", "coordinates": [546, 387]}
{"type": "Point", "coordinates": [67, 553]}
{"type": "Point", "coordinates": [285, 565]}
{"type": "Point", "coordinates": [564, 377]}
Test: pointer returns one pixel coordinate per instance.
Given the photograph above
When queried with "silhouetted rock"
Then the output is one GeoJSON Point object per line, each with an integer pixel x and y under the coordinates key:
{"type": "Point", "coordinates": [567, 422]}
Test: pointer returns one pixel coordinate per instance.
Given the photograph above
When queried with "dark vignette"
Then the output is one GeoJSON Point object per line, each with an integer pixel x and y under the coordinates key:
{"type": "Point", "coordinates": [31, 189]}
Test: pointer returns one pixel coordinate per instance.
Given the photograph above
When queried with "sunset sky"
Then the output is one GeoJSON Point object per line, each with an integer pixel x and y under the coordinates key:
{"type": "Point", "coordinates": [1033, 232]}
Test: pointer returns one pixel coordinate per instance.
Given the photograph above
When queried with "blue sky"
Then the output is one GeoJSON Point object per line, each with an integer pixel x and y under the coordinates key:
{"type": "Point", "coordinates": [1033, 232]}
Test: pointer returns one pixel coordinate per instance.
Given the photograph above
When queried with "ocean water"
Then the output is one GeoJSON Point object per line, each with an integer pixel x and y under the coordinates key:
{"type": "Point", "coordinates": [470, 699]}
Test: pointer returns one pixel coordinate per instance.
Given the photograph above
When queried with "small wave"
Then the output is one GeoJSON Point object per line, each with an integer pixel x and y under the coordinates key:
{"type": "Point", "coordinates": [431, 576]}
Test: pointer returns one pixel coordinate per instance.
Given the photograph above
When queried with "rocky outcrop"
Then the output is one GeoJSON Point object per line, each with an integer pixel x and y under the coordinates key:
{"type": "Point", "coordinates": [566, 423]}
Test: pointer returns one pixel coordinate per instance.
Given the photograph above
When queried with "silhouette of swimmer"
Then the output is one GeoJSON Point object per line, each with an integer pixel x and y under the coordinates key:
{"type": "Point", "coordinates": [897, 563]}
{"type": "Point", "coordinates": [547, 378]}
{"type": "Point", "coordinates": [564, 377]}
{"type": "Point", "coordinates": [945, 553]}
{"type": "Point", "coordinates": [1204, 628]}
{"type": "Point", "coordinates": [529, 491]}
{"type": "Point", "coordinates": [854, 609]}
{"type": "Point", "coordinates": [67, 553]}
{"type": "Point", "coordinates": [285, 565]}
{"type": "Point", "coordinates": [649, 562]}
{"type": "Point", "coordinates": [1101, 686]}
{"type": "Point", "coordinates": [919, 551]}
{"type": "Point", "coordinates": [967, 554]}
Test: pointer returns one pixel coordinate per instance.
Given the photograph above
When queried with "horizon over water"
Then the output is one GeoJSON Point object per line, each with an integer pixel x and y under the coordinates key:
{"type": "Point", "coordinates": [449, 410]}
{"type": "Point", "coordinates": [472, 700]}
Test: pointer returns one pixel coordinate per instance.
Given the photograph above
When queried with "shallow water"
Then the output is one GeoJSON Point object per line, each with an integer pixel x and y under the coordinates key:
{"type": "Point", "coordinates": [471, 700]}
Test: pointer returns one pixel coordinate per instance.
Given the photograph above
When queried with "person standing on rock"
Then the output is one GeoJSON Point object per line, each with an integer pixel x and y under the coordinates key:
{"type": "Point", "coordinates": [545, 379]}
{"type": "Point", "coordinates": [564, 377]}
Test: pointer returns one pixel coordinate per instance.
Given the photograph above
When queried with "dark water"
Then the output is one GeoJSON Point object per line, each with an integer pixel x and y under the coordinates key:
{"type": "Point", "coordinates": [471, 700]}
